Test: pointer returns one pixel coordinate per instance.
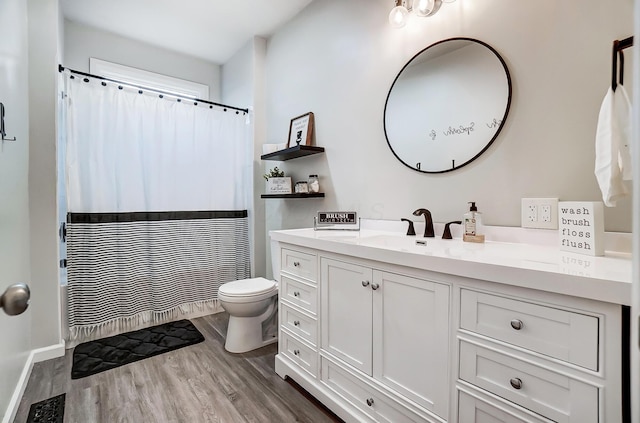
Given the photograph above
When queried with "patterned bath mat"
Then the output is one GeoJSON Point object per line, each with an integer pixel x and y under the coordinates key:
{"type": "Point", "coordinates": [50, 410]}
{"type": "Point", "coordinates": [103, 354]}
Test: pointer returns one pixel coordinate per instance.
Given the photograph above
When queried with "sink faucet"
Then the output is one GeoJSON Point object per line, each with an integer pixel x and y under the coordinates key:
{"type": "Point", "coordinates": [428, 222]}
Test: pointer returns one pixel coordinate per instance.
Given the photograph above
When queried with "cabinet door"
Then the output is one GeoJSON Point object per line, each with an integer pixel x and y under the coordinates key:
{"type": "Point", "coordinates": [411, 338]}
{"type": "Point", "coordinates": [345, 297]}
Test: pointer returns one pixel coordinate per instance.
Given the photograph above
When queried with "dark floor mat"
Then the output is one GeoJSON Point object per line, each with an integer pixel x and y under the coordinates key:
{"type": "Point", "coordinates": [50, 410]}
{"type": "Point", "coordinates": [107, 353]}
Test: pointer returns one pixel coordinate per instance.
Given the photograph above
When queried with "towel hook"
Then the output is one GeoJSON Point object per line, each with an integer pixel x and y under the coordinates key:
{"type": "Point", "coordinates": [3, 133]}
{"type": "Point", "coordinates": [617, 54]}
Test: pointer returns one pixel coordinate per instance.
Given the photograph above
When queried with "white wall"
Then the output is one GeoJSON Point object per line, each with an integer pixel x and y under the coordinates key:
{"type": "Point", "coordinates": [82, 42]}
{"type": "Point", "coordinates": [14, 202]}
{"type": "Point", "coordinates": [243, 86]}
{"type": "Point", "coordinates": [338, 59]}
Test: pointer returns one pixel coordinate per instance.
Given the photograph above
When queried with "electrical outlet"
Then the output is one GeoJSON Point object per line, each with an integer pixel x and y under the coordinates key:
{"type": "Point", "coordinates": [540, 213]}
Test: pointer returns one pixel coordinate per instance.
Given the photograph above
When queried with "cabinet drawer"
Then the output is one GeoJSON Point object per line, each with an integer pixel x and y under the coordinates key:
{"type": "Point", "coordinates": [303, 355]}
{"type": "Point", "coordinates": [550, 394]}
{"type": "Point", "coordinates": [300, 264]}
{"type": "Point", "coordinates": [475, 410]}
{"type": "Point", "coordinates": [370, 401]}
{"type": "Point", "coordinates": [561, 334]}
{"type": "Point", "coordinates": [301, 294]}
{"type": "Point", "coordinates": [304, 326]}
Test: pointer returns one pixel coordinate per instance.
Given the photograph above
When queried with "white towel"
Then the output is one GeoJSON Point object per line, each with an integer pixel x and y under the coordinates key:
{"type": "Point", "coordinates": [623, 113]}
{"type": "Point", "coordinates": [611, 137]}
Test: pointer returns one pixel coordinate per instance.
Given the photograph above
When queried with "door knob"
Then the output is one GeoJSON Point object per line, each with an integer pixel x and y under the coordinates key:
{"type": "Point", "coordinates": [15, 299]}
{"type": "Point", "coordinates": [375, 286]}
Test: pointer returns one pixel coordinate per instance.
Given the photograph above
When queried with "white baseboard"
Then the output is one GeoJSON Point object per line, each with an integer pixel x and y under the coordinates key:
{"type": "Point", "coordinates": [35, 356]}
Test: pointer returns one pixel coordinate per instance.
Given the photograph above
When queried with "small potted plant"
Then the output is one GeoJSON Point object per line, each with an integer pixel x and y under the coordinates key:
{"type": "Point", "coordinates": [277, 183]}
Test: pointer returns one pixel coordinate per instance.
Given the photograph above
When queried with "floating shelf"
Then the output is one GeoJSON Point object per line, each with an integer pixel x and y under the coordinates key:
{"type": "Point", "coordinates": [295, 195]}
{"type": "Point", "coordinates": [293, 152]}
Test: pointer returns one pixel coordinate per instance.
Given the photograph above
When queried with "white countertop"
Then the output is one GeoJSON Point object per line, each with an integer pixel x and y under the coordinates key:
{"type": "Point", "coordinates": [530, 265]}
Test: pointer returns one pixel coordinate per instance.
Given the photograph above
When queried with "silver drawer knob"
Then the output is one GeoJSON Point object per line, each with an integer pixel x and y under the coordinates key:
{"type": "Point", "coordinates": [296, 323]}
{"type": "Point", "coordinates": [296, 264]}
{"type": "Point", "coordinates": [517, 324]}
{"type": "Point", "coordinates": [365, 283]}
{"type": "Point", "coordinates": [296, 352]}
{"type": "Point", "coordinates": [516, 383]}
{"type": "Point", "coordinates": [296, 294]}
{"type": "Point", "coordinates": [375, 286]}
{"type": "Point", "coordinates": [370, 402]}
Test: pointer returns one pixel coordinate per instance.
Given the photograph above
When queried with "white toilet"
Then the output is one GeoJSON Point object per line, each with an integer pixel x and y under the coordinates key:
{"type": "Point", "coordinates": [249, 302]}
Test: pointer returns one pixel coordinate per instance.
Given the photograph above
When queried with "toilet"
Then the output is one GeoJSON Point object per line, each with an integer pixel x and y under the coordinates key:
{"type": "Point", "coordinates": [249, 303]}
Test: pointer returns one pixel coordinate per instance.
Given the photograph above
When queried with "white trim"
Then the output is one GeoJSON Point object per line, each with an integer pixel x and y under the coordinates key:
{"type": "Point", "coordinates": [148, 79]}
{"type": "Point", "coordinates": [35, 356]}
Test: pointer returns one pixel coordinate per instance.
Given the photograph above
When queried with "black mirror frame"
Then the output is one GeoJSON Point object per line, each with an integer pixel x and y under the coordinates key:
{"type": "Point", "coordinates": [504, 119]}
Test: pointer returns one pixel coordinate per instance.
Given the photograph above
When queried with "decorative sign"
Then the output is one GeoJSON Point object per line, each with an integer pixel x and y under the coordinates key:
{"type": "Point", "coordinates": [301, 130]}
{"type": "Point", "coordinates": [337, 218]}
{"type": "Point", "coordinates": [581, 227]}
{"type": "Point", "coordinates": [280, 185]}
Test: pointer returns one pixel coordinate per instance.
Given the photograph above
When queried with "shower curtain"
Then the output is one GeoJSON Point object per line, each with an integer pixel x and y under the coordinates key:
{"type": "Point", "coordinates": [157, 195]}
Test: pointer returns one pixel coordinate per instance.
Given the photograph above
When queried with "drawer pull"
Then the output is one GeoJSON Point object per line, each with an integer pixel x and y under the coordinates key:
{"type": "Point", "coordinates": [365, 283]}
{"type": "Point", "coordinates": [516, 383]}
{"type": "Point", "coordinates": [517, 324]}
{"type": "Point", "coordinates": [296, 264]}
{"type": "Point", "coordinates": [296, 323]}
{"type": "Point", "coordinates": [296, 294]}
{"type": "Point", "coordinates": [296, 352]}
{"type": "Point", "coordinates": [375, 286]}
{"type": "Point", "coordinates": [370, 402]}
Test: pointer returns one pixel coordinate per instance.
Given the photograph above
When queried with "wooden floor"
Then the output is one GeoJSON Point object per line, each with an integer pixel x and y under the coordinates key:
{"type": "Point", "coordinates": [199, 383]}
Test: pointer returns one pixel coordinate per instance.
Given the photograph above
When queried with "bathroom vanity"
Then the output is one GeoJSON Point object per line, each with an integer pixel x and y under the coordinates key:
{"type": "Point", "coordinates": [381, 329]}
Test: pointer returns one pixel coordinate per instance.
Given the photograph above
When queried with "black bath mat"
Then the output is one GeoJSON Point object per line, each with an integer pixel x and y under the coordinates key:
{"type": "Point", "coordinates": [97, 356]}
{"type": "Point", "coordinates": [50, 410]}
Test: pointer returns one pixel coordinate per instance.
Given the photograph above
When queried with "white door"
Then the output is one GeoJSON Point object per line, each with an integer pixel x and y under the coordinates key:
{"type": "Point", "coordinates": [411, 338]}
{"type": "Point", "coordinates": [15, 331]}
{"type": "Point", "coordinates": [345, 297]}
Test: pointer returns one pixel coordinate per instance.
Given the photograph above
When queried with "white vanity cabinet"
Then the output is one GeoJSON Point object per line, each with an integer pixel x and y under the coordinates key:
{"type": "Point", "coordinates": [392, 336]}
{"type": "Point", "coordinates": [390, 327]}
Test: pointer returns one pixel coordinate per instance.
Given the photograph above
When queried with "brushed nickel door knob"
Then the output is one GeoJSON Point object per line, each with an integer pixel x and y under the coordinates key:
{"type": "Point", "coordinates": [375, 286]}
{"type": "Point", "coordinates": [517, 324]}
{"type": "Point", "coordinates": [370, 402]}
{"type": "Point", "coordinates": [365, 283]}
{"type": "Point", "coordinates": [516, 383]}
{"type": "Point", "coordinates": [15, 299]}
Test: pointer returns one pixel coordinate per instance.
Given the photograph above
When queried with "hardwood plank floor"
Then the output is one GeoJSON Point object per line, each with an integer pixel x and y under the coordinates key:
{"type": "Point", "coordinates": [197, 384]}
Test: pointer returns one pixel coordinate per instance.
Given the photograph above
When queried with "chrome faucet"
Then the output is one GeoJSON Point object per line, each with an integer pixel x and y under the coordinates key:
{"type": "Point", "coordinates": [428, 222]}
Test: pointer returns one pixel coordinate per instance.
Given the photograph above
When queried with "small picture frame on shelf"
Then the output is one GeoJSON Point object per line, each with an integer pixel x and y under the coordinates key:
{"type": "Point", "coordinates": [301, 130]}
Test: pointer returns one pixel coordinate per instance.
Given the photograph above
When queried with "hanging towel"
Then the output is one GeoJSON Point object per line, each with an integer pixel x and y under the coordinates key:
{"type": "Point", "coordinates": [623, 115]}
{"type": "Point", "coordinates": [609, 138]}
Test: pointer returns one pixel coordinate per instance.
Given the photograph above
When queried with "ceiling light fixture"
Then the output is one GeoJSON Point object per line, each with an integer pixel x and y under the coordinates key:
{"type": "Point", "coordinates": [423, 8]}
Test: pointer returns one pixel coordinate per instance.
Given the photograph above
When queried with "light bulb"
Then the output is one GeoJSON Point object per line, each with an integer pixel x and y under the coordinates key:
{"type": "Point", "coordinates": [398, 16]}
{"type": "Point", "coordinates": [423, 7]}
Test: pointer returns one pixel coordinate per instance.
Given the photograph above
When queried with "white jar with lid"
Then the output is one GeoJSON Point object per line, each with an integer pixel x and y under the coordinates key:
{"type": "Point", "coordinates": [313, 183]}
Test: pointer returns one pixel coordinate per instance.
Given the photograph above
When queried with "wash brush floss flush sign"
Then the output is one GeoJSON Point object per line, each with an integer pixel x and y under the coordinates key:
{"type": "Point", "coordinates": [581, 226]}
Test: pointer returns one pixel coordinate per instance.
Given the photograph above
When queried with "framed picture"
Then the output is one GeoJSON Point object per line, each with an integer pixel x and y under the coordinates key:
{"type": "Point", "coordinates": [301, 130]}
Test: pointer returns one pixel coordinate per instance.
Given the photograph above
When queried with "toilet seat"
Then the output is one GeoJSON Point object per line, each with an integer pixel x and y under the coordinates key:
{"type": "Point", "coordinates": [247, 290]}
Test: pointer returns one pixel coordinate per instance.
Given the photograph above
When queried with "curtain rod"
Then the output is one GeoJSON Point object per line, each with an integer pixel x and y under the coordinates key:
{"type": "Point", "coordinates": [195, 100]}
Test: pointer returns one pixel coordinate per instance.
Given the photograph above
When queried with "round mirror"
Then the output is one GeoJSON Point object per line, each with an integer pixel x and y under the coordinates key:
{"type": "Point", "coordinates": [447, 105]}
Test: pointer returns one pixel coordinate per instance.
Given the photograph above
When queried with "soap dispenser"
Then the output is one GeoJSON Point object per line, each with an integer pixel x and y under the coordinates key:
{"type": "Point", "coordinates": [473, 225]}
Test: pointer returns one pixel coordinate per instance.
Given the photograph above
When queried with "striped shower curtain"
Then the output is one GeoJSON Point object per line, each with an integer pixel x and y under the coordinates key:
{"type": "Point", "coordinates": [157, 195]}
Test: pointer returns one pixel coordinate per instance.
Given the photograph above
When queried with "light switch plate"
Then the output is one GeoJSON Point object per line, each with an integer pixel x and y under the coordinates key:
{"type": "Point", "coordinates": [540, 213]}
